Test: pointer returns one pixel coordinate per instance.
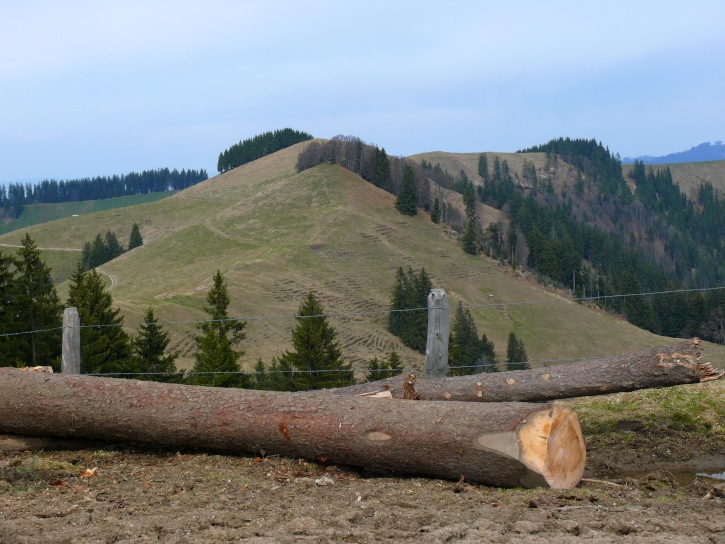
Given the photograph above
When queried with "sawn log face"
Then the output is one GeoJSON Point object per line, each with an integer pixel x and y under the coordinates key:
{"type": "Point", "coordinates": [506, 444]}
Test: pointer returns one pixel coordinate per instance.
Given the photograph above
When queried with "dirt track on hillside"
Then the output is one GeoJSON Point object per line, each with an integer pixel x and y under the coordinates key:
{"type": "Point", "coordinates": [110, 493]}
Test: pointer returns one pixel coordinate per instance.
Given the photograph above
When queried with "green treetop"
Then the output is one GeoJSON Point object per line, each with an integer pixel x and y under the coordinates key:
{"type": "Point", "coordinates": [105, 346]}
{"type": "Point", "coordinates": [407, 200]}
{"type": "Point", "coordinates": [216, 346]}
{"type": "Point", "coordinates": [316, 356]}
{"type": "Point", "coordinates": [149, 348]}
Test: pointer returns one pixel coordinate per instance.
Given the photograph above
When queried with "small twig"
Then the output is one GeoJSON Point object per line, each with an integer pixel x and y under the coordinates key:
{"type": "Point", "coordinates": [603, 482]}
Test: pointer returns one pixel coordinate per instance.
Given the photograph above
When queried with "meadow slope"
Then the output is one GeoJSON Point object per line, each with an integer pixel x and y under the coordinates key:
{"type": "Point", "coordinates": [276, 234]}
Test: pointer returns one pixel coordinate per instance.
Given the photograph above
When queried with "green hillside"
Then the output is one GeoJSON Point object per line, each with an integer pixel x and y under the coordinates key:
{"type": "Point", "coordinates": [276, 234]}
{"type": "Point", "coordinates": [34, 214]}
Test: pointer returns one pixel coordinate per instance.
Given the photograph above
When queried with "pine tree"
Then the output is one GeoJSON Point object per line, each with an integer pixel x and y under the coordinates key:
{"type": "Point", "coordinates": [516, 357]}
{"type": "Point", "coordinates": [407, 200]}
{"type": "Point", "coordinates": [135, 239]}
{"type": "Point", "coordinates": [105, 346]}
{"type": "Point", "coordinates": [316, 357]}
{"type": "Point", "coordinates": [149, 349]}
{"type": "Point", "coordinates": [219, 337]}
{"type": "Point", "coordinates": [36, 308]}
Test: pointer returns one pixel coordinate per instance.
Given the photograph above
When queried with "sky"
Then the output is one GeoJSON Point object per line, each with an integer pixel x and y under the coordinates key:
{"type": "Point", "coordinates": [92, 88]}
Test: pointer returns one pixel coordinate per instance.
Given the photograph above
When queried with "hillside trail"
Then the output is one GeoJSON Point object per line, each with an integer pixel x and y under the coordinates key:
{"type": "Point", "coordinates": [112, 277]}
{"type": "Point", "coordinates": [18, 246]}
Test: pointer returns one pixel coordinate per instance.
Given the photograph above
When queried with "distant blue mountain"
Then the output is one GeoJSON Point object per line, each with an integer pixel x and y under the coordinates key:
{"type": "Point", "coordinates": [699, 153]}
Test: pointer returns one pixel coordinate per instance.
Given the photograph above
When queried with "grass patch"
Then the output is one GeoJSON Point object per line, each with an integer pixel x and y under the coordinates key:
{"type": "Point", "coordinates": [698, 408]}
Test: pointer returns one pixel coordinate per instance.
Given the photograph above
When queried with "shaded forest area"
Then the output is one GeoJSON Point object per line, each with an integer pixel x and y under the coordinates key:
{"type": "Point", "coordinates": [16, 195]}
{"type": "Point", "coordinates": [259, 146]}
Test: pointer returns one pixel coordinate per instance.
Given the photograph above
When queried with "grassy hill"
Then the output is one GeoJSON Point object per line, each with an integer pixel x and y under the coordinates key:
{"type": "Point", "coordinates": [276, 234]}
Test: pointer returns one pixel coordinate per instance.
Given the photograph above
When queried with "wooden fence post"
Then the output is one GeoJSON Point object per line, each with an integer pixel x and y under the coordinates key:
{"type": "Point", "coordinates": [436, 349]}
{"type": "Point", "coordinates": [71, 355]}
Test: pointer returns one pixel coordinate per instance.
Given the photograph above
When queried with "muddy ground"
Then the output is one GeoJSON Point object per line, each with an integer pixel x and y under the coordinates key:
{"type": "Point", "coordinates": [638, 487]}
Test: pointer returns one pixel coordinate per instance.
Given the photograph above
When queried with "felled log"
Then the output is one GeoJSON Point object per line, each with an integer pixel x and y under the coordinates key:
{"type": "Point", "coordinates": [664, 366]}
{"type": "Point", "coordinates": [506, 444]}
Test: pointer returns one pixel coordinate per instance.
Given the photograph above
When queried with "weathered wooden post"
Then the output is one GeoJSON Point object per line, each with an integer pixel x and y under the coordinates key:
{"type": "Point", "coordinates": [71, 353]}
{"type": "Point", "coordinates": [436, 349]}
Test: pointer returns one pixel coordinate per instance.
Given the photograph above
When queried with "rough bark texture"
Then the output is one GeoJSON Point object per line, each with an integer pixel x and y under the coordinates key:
{"type": "Point", "coordinates": [663, 366]}
{"type": "Point", "coordinates": [508, 444]}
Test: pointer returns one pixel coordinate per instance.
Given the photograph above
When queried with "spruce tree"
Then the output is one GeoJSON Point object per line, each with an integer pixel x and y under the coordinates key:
{"type": "Point", "coordinates": [135, 239]}
{"type": "Point", "coordinates": [465, 347]}
{"type": "Point", "coordinates": [408, 319]}
{"type": "Point", "coordinates": [105, 346]}
{"type": "Point", "coordinates": [469, 241]}
{"type": "Point", "coordinates": [113, 248]}
{"type": "Point", "coordinates": [381, 170]}
{"type": "Point", "coordinates": [36, 307]}
{"type": "Point", "coordinates": [516, 357]}
{"type": "Point", "coordinates": [8, 351]}
{"type": "Point", "coordinates": [435, 214]}
{"type": "Point", "coordinates": [379, 370]}
{"type": "Point", "coordinates": [316, 356]}
{"type": "Point", "coordinates": [149, 349]}
{"type": "Point", "coordinates": [407, 200]}
{"type": "Point", "coordinates": [217, 358]}
{"type": "Point", "coordinates": [488, 359]}
{"type": "Point", "coordinates": [483, 167]}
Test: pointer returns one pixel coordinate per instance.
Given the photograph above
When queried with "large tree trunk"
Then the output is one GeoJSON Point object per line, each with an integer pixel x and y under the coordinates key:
{"type": "Point", "coordinates": [509, 444]}
{"type": "Point", "coordinates": [664, 366]}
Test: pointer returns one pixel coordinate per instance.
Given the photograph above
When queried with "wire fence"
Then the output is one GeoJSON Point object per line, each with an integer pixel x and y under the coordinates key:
{"type": "Point", "coordinates": [487, 367]}
{"type": "Point", "coordinates": [382, 311]}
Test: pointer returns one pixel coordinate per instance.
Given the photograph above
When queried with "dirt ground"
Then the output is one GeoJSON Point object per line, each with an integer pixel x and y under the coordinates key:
{"type": "Point", "coordinates": [639, 486]}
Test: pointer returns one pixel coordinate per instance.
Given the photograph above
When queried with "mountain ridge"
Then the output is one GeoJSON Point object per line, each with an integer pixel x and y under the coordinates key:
{"type": "Point", "coordinates": [703, 152]}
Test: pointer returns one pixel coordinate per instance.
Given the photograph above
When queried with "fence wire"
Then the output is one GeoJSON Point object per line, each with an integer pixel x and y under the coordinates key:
{"type": "Point", "coordinates": [385, 311]}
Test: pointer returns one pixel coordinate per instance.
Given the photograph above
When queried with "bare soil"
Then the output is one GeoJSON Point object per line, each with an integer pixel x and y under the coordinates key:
{"type": "Point", "coordinates": [638, 488]}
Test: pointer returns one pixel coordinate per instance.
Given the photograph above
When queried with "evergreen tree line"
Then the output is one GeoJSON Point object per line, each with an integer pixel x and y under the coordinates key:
{"type": "Point", "coordinates": [16, 195]}
{"type": "Point", "coordinates": [31, 321]}
{"type": "Point", "coordinates": [259, 146]}
{"type": "Point", "coordinates": [592, 159]}
{"type": "Point", "coordinates": [30, 307]}
{"type": "Point", "coordinates": [574, 249]}
{"type": "Point", "coordinates": [106, 248]}
{"type": "Point", "coordinates": [467, 352]}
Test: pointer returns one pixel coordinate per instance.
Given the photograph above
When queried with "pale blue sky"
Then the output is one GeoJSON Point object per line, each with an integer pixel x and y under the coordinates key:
{"type": "Point", "coordinates": [106, 87]}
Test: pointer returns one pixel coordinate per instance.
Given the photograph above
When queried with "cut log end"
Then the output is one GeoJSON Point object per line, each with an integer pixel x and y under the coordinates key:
{"type": "Point", "coordinates": [548, 445]}
{"type": "Point", "coordinates": [552, 446]}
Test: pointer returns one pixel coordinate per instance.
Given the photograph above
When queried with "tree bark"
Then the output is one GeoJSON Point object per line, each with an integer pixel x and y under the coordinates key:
{"type": "Point", "coordinates": [663, 366]}
{"type": "Point", "coordinates": [508, 444]}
